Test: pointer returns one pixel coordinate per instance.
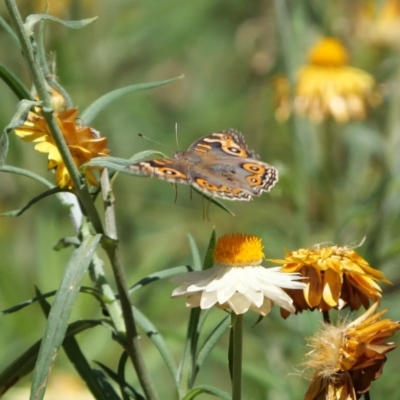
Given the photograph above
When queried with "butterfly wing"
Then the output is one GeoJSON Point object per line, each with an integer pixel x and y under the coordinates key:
{"type": "Point", "coordinates": [226, 143]}
{"type": "Point", "coordinates": [234, 179]}
{"type": "Point", "coordinates": [218, 165]}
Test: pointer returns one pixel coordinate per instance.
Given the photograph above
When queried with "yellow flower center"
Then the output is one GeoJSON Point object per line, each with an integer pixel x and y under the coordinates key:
{"type": "Point", "coordinates": [328, 52]}
{"type": "Point", "coordinates": [238, 250]}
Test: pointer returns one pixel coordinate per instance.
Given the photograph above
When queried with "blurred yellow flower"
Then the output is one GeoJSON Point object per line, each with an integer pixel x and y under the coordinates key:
{"type": "Point", "coordinates": [347, 358]}
{"type": "Point", "coordinates": [237, 280]}
{"type": "Point", "coordinates": [83, 142]}
{"type": "Point", "coordinates": [338, 277]}
{"type": "Point", "coordinates": [380, 23]}
{"type": "Point", "coordinates": [327, 87]}
{"type": "Point", "coordinates": [63, 8]}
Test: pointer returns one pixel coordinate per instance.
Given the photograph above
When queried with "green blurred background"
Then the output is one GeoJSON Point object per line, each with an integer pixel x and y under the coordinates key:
{"type": "Point", "coordinates": [228, 51]}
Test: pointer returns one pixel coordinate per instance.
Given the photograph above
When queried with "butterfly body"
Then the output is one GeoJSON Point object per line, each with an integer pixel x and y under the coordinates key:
{"type": "Point", "coordinates": [219, 165]}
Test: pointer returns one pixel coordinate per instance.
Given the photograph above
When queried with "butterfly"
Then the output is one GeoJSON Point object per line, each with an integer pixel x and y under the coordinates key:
{"type": "Point", "coordinates": [218, 165]}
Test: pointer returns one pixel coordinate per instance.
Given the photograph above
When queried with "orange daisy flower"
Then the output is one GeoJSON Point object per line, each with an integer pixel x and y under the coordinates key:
{"type": "Point", "coordinates": [337, 277]}
{"type": "Point", "coordinates": [83, 142]}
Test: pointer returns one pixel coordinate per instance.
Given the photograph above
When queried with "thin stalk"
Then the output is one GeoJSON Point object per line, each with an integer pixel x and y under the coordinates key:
{"type": "Point", "coordinates": [325, 316]}
{"type": "Point", "coordinates": [130, 337]}
{"type": "Point", "coordinates": [39, 82]}
{"type": "Point", "coordinates": [237, 352]}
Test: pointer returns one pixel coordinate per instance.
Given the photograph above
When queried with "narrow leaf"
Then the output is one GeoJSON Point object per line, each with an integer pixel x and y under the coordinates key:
{"type": "Point", "coordinates": [195, 253]}
{"type": "Point", "coordinates": [18, 119]}
{"type": "Point", "coordinates": [14, 83]}
{"type": "Point", "coordinates": [84, 289]}
{"type": "Point", "coordinates": [9, 30]}
{"type": "Point", "coordinates": [186, 371]}
{"type": "Point", "coordinates": [25, 363]}
{"type": "Point", "coordinates": [211, 341]}
{"type": "Point", "coordinates": [33, 19]}
{"type": "Point", "coordinates": [100, 104]}
{"type": "Point", "coordinates": [17, 213]}
{"type": "Point", "coordinates": [121, 373]}
{"type": "Point", "coordinates": [159, 275]}
{"type": "Point", "coordinates": [3, 148]}
{"type": "Point", "coordinates": [78, 360]}
{"type": "Point", "coordinates": [60, 313]}
{"type": "Point", "coordinates": [23, 108]}
{"type": "Point", "coordinates": [208, 259]}
{"type": "Point", "coordinates": [151, 331]}
{"type": "Point", "coordinates": [206, 389]}
{"type": "Point", "coordinates": [27, 173]}
{"type": "Point", "coordinates": [126, 389]}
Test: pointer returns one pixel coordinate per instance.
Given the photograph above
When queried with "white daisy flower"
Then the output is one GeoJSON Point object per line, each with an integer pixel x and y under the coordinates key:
{"type": "Point", "coordinates": [237, 280]}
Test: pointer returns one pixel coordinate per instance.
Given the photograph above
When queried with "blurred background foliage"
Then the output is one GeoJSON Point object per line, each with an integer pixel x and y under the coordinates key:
{"type": "Point", "coordinates": [229, 52]}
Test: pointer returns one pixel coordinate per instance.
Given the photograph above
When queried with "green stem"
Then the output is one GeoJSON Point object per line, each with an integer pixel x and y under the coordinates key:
{"type": "Point", "coordinates": [325, 316]}
{"type": "Point", "coordinates": [129, 336]}
{"type": "Point", "coordinates": [39, 82]}
{"type": "Point", "coordinates": [237, 350]}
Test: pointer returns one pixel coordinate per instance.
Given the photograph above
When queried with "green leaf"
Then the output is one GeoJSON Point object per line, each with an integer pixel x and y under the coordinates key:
{"type": "Point", "coordinates": [17, 213]}
{"type": "Point", "coordinates": [121, 374]}
{"type": "Point", "coordinates": [9, 30]}
{"type": "Point", "coordinates": [27, 173]}
{"type": "Point", "coordinates": [151, 331]}
{"type": "Point", "coordinates": [3, 148]}
{"type": "Point", "coordinates": [195, 253]}
{"type": "Point", "coordinates": [84, 289]}
{"type": "Point", "coordinates": [211, 341]}
{"type": "Point", "coordinates": [120, 164]}
{"type": "Point", "coordinates": [186, 371]}
{"type": "Point", "coordinates": [78, 360]}
{"type": "Point", "coordinates": [206, 389]}
{"type": "Point", "coordinates": [25, 363]}
{"type": "Point", "coordinates": [33, 19]}
{"type": "Point", "coordinates": [159, 275]}
{"type": "Point", "coordinates": [23, 108]}
{"type": "Point", "coordinates": [126, 389]}
{"type": "Point", "coordinates": [100, 104]}
{"type": "Point", "coordinates": [108, 390]}
{"type": "Point", "coordinates": [14, 83]}
{"type": "Point", "coordinates": [67, 242]}
{"type": "Point", "coordinates": [208, 259]}
{"type": "Point", "coordinates": [60, 312]}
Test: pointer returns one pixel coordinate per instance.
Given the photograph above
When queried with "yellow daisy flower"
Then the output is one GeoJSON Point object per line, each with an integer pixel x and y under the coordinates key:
{"type": "Point", "coordinates": [328, 87]}
{"type": "Point", "coordinates": [380, 23]}
{"type": "Point", "coordinates": [347, 358]}
{"type": "Point", "coordinates": [237, 280]}
{"type": "Point", "coordinates": [83, 142]}
{"type": "Point", "coordinates": [337, 277]}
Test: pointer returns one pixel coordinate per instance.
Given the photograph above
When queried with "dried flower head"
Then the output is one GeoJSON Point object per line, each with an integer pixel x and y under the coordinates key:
{"type": "Point", "coordinates": [347, 358]}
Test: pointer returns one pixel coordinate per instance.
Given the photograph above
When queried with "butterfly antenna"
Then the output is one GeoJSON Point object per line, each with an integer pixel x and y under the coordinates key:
{"type": "Point", "coordinates": [150, 140]}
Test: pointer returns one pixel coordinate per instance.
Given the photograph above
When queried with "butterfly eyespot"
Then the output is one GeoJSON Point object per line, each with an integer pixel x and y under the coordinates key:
{"type": "Point", "coordinates": [254, 168]}
{"type": "Point", "coordinates": [254, 180]}
{"type": "Point", "coordinates": [170, 173]}
{"type": "Point", "coordinates": [205, 184]}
